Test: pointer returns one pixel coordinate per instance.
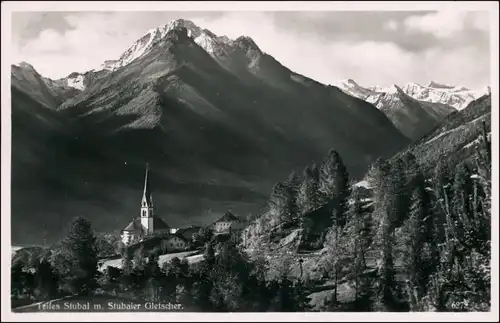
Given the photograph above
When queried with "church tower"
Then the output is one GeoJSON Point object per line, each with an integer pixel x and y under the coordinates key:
{"type": "Point", "coordinates": [147, 208]}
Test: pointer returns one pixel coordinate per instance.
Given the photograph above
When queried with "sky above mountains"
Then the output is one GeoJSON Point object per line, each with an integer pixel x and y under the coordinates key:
{"type": "Point", "coordinates": [371, 47]}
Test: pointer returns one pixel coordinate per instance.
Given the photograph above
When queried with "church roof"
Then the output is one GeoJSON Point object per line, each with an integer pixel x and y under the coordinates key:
{"type": "Point", "coordinates": [135, 225]}
{"type": "Point", "coordinates": [159, 224]}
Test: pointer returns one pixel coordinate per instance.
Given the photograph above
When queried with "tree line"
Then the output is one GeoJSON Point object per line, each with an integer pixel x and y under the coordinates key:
{"type": "Point", "coordinates": [422, 245]}
{"type": "Point", "coordinates": [425, 246]}
{"type": "Point", "coordinates": [322, 188]}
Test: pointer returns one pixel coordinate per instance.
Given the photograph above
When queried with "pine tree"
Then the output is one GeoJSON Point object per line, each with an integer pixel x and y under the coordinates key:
{"type": "Point", "coordinates": [378, 177]}
{"type": "Point", "coordinates": [78, 264]}
{"type": "Point", "coordinates": [358, 232]}
{"type": "Point", "coordinates": [291, 209]}
{"type": "Point", "coordinates": [398, 193]}
{"type": "Point", "coordinates": [17, 280]}
{"type": "Point", "coordinates": [377, 172]}
{"type": "Point", "coordinates": [333, 177]}
{"type": "Point", "coordinates": [441, 179]}
{"type": "Point", "coordinates": [45, 280]}
{"type": "Point", "coordinates": [152, 267]}
{"type": "Point", "coordinates": [388, 209]}
{"type": "Point", "coordinates": [277, 200]}
{"type": "Point", "coordinates": [203, 236]}
{"type": "Point", "coordinates": [127, 264]}
{"type": "Point", "coordinates": [485, 150]}
{"type": "Point", "coordinates": [462, 209]}
{"type": "Point", "coordinates": [106, 245]}
{"type": "Point", "coordinates": [153, 284]}
{"type": "Point", "coordinates": [386, 286]}
{"type": "Point", "coordinates": [390, 195]}
{"type": "Point", "coordinates": [462, 189]}
{"type": "Point", "coordinates": [439, 209]}
{"type": "Point", "coordinates": [209, 255]}
{"type": "Point", "coordinates": [334, 184]}
{"type": "Point", "coordinates": [412, 169]}
{"type": "Point", "coordinates": [139, 260]}
{"type": "Point", "coordinates": [315, 194]}
{"type": "Point", "coordinates": [413, 241]}
{"type": "Point", "coordinates": [482, 185]}
{"type": "Point", "coordinates": [307, 195]}
{"type": "Point", "coordinates": [337, 249]}
{"type": "Point", "coordinates": [336, 242]}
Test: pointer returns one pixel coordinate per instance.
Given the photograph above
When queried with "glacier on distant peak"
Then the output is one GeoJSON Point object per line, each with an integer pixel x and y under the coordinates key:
{"type": "Point", "coordinates": [456, 96]}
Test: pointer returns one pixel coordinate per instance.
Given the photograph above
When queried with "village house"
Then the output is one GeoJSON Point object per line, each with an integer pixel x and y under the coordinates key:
{"type": "Point", "coordinates": [229, 224]}
{"type": "Point", "coordinates": [174, 243]}
{"type": "Point", "coordinates": [165, 243]}
{"type": "Point", "coordinates": [189, 232]}
{"type": "Point", "coordinates": [147, 223]}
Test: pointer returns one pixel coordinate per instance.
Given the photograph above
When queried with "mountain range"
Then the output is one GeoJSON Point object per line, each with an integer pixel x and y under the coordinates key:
{"type": "Point", "coordinates": [414, 109]}
{"type": "Point", "coordinates": [457, 97]}
{"type": "Point", "coordinates": [218, 120]}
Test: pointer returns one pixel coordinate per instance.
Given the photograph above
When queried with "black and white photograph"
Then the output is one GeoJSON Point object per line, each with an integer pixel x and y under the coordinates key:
{"type": "Point", "coordinates": [167, 158]}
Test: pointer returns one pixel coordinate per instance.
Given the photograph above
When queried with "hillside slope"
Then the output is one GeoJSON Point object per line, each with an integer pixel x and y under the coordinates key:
{"type": "Point", "coordinates": [456, 137]}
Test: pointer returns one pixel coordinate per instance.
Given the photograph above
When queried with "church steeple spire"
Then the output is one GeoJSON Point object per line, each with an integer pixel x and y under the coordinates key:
{"type": "Point", "coordinates": [147, 210]}
{"type": "Point", "coordinates": [147, 198]}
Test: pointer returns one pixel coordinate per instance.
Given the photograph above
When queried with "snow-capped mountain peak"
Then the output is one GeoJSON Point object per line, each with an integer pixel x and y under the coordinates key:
{"type": "Point", "coordinates": [25, 65]}
{"type": "Point", "coordinates": [139, 48]}
{"type": "Point", "coordinates": [370, 94]}
{"type": "Point", "coordinates": [351, 87]}
{"type": "Point", "coordinates": [193, 30]}
{"type": "Point", "coordinates": [146, 42]}
{"type": "Point", "coordinates": [456, 96]}
{"type": "Point", "coordinates": [75, 80]}
{"type": "Point", "coordinates": [216, 46]}
{"type": "Point", "coordinates": [345, 84]}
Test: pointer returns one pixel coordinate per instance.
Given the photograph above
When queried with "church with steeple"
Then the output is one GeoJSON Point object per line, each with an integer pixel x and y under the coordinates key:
{"type": "Point", "coordinates": [147, 223]}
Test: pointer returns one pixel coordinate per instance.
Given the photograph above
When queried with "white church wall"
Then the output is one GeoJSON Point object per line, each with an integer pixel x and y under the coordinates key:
{"type": "Point", "coordinates": [129, 237]}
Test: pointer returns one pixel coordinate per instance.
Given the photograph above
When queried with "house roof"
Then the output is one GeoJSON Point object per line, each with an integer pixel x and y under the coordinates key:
{"type": "Point", "coordinates": [229, 217]}
{"type": "Point", "coordinates": [154, 241]}
{"type": "Point", "coordinates": [178, 236]}
{"type": "Point", "coordinates": [188, 232]}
